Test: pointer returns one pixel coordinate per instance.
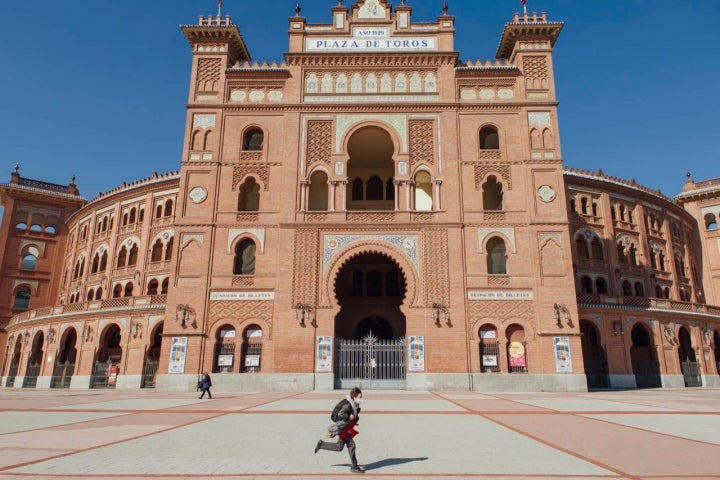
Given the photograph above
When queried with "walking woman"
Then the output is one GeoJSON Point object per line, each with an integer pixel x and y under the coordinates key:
{"type": "Point", "coordinates": [205, 385]}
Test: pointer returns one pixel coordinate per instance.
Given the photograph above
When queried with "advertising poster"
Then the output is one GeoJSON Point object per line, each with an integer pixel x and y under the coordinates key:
{"type": "Point", "coordinates": [563, 364]}
{"type": "Point", "coordinates": [417, 353]}
{"type": "Point", "coordinates": [323, 357]}
{"type": "Point", "coordinates": [178, 350]}
{"type": "Point", "coordinates": [516, 352]}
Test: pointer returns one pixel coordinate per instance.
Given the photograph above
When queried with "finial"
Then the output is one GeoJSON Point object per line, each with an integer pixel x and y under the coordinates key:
{"type": "Point", "coordinates": [402, 2]}
{"type": "Point", "coordinates": [445, 7]}
{"type": "Point", "coordinates": [73, 180]}
{"type": "Point", "coordinates": [687, 174]}
{"type": "Point", "coordinates": [17, 168]}
{"type": "Point", "coordinates": [297, 9]}
{"type": "Point", "coordinates": [339, 3]}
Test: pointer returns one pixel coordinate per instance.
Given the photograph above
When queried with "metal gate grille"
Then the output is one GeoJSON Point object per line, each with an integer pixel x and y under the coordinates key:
{"type": "Point", "coordinates": [31, 376]}
{"type": "Point", "coordinates": [691, 374]}
{"type": "Point", "coordinates": [370, 363]}
{"type": "Point", "coordinates": [149, 370]}
{"type": "Point", "coordinates": [62, 375]}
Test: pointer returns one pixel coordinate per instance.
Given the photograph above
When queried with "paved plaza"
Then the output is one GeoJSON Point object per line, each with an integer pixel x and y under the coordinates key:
{"type": "Point", "coordinates": [96, 434]}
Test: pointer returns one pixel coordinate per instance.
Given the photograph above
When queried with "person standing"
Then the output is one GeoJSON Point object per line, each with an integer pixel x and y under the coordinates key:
{"type": "Point", "coordinates": [345, 415]}
{"type": "Point", "coordinates": [205, 385]}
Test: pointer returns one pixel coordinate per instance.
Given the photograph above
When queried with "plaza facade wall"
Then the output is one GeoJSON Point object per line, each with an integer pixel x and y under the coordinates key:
{"type": "Point", "coordinates": [397, 202]}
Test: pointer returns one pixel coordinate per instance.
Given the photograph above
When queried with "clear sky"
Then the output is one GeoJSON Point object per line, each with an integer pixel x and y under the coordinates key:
{"type": "Point", "coordinates": [96, 88]}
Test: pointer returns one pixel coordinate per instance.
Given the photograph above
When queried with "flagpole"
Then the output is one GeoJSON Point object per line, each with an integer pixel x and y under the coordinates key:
{"type": "Point", "coordinates": [219, 8]}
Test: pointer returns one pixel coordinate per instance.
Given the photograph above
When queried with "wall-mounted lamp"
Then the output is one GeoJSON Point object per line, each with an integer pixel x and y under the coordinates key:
{"type": "Point", "coordinates": [136, 329]}
{"type": "Point", "coordinates": [51, 335]}
{"type": "Point", "coordinates": [618, 274]}
{"type": "Point", "coordinates": [87, 333]}
{"type": "Point", "coordinates": [653, 279]}
{"type": "Point", "coordinates": [617, 327]}
{"type": "Point", "coordinates": [303, 313]}
{"type": "Point", "coordinates": [560, 312]}
{"type": "Point", "coordinates": [10, 340]}
{"type": "Point", "coordinates": [26, 337]}
{"type": "Point", "coordinates": [439, 313]}
{"type": "Point", "coordinates": [185, 314]}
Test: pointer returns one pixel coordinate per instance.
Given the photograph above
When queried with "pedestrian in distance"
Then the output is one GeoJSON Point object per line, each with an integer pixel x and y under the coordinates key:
{"type": "Point", "coordinates": [205, 384]}
{"type": "Point", "coordinates": [345, 417]}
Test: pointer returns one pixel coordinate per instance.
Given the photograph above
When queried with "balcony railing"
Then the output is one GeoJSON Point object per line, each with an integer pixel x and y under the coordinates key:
{"type": "Point", "coordinates": [155, 302]}
{"type": "Point", "coordinates": [646, 303]}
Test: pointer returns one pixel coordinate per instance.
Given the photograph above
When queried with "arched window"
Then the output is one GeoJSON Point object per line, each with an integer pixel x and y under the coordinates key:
{"type": "Point", "coordinates": [169, 248]}
{"type": "Point", "coordinates": [152, 287]}
{"type": "Point", "coordinates": [98, 293]}
{"type": "Point", "coordinates": [601, 286]}
{"type": "Point", "coordinates": [95, 265]}
{"type": "Point", "coordinates": [496, 257]}
{"type": "Point", "coordinates": [249, 196]}
{"type": "Point", "coordinates": [157, 249]}
{"type": "Point", "coordinates": [489, 138]}
{"type": "Point", "coordinates": [658, 291]}
{"type": "Point", "coordinates": [22, 298]}
{"type": "Point", "coordinates": [128, 289]}
{"type": "Point", "coordinates": [103, 261]}
{"type": "Point", "coordinates": [90, 295]}
{"type": "Point", "coordinates": [253, 139]}
{"type": "Point", "coordinates": [131, 218]}
{"type": "Point", "coordinates": [639, 290]}
{"type": "Point", "coordinates": [586, 284]}
{"type": "Point", "coordinates": [168, 208]}
{"type": "Point", "coordinates": [710, 222]}
{"type": "Point", "coordinates": [141, 215]}
{"type": "Point", "coordinates": [117, 291]}
{"type": "Point", "coordinates": [244, 258]}
{"type": "Point", "coordinates": [390, 189]}
{"type": "Point", "coordinates": [666, 292]}
{"type": "Point", "coordinates": [164, 286]}
{"type": "Point", "coordinates": [597, 249]}
{"type": "Point", "coordinates": [584, 206]}
{"type": "Point", "coordinates": [21, 226]}
{"type": "Point", "coordinates": [374, 188]}
{"type": "Point", "coordinates": [492, 194]}
{"type": "Point", "coordinates": [626, 288]}
{"type": "Point", "coordinates": [622, 256]}
{"type": "Point", "coordinates": [122, 257]}
{"type": "Point", "coordinates": [423, 191]}
{"type": "Point", "coordinates": [633, 254]}
{"type": "Point", "coordinates": [318, 194]}
{"type": "Point", "coordinates": [358, 189]}
{"type": "Point", "coordinates": [581, 247]}
{"type": "Point", "coordinates": [132, 258]}
{"type": "Point", "coordinates": [29, 262]}
{"type": "Point", "coordinates": [158, 211]}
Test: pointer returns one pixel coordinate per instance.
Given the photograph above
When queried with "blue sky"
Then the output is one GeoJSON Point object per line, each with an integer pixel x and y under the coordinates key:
{"type": "Point", "coordinates": [96, 88]}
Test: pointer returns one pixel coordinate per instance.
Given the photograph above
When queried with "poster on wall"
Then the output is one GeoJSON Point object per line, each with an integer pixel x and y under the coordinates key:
{"type": "Point", "coordinates": [178, 350]}
{"type": "Point", "coordinates": [516, 352]}
{"type": "Point", "coordinates": [323, 357]}
{"type": "Point", "coordinates": [563, 364]}
{"type": "Point", "coordinates": [417, 353]}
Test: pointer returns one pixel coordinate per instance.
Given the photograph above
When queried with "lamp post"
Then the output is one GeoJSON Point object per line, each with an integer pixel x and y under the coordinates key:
{"type": "Point", "coordinates": [439, 313]}
{"type": "Point", "coordinates": [185, 314]}
{"type": "Point", "coordinates": [303, 313]}
{"type": "Point", "coordinates": [560, 313]}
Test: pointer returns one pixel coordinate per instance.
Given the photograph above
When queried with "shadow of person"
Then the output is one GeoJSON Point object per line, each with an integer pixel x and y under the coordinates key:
{"type": "Point", "coordinates": [392, 461]}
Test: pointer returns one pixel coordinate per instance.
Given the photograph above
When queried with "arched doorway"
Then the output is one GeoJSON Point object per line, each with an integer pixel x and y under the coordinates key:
{"type": "Point", "coordinates": [370, 170]}
{"type": "Point", "coordinates": [14, 362]}
{"type": "Point", "coordinates": [65, 360]}
{"type": "Point", "coordinates": [688, 362]}
{"type": "Point", "coordinates": [107, 361]}
{"type": "Point", "coordinates": [644, 362]}
{"type": "Point", "coordinates": [594, 357]}
{"type": "Point", "coordinates": [152, 358]}
{"type": "Point", "coordinates": [370, 326]}
{"type": "Point", "coordinates": [516, 349]}
{"type": "Point", "coordinates": [34, 362]}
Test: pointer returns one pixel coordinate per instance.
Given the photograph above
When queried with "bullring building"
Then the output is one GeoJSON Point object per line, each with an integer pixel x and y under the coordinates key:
{"type": "Point", "coordinates": [376, 211]}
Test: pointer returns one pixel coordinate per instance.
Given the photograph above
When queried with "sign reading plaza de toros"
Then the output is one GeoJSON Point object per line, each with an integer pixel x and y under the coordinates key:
{"type": "Point", "coordinates": [370, 40]}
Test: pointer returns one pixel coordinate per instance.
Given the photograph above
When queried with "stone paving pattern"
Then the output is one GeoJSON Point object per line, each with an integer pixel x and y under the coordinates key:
{"type": "Point", "coordinates": [105, 434]}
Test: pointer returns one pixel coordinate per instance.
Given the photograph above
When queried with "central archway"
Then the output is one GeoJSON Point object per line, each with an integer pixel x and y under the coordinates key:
{"type": "Point", "coordinates": [370, 289]}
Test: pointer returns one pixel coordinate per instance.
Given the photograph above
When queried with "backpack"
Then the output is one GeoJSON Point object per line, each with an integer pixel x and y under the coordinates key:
{"type": "Point", "coordinates": [334, 415]}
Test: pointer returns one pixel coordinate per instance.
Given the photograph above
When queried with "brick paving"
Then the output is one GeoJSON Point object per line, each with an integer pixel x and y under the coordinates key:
{"type": "Point", "coordinates": [92, 435]}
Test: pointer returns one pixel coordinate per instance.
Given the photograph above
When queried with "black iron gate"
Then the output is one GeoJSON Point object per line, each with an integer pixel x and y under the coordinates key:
{"type": "Point", "coordinates": [31, 376]}
{"type": "Point", "coordinates": [62, 375]}
{"type": "Point", "coordinates": [149, 370]}
{"type": "Point", "coordinates": [691, 373]}
{"type": "Point", "coordinates": [647, 374]}
{"type": "Point", "coordinates": [10, 380]}
{"type": "Point", "coordinates": [370, 363]}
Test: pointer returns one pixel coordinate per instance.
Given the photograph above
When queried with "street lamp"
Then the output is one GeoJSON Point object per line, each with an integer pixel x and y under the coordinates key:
{"type": "Point", "coordinates": [185, 314]}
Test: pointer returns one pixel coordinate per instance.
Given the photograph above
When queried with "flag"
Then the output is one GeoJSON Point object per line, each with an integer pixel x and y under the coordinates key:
{"type": "Point", "coordinates": [521, 1]}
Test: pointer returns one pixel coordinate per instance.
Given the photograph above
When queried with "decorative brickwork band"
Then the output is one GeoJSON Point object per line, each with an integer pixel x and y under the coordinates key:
{"type": "Point", "coordinates": [435, 266]}
{"type": "Point", "coordinates": [422, 142]}
{"type": "Point", "coordinates": [242, 171]}
{"type": "Point", "coordinates": [241, 311]}
{"type": "Point", "coordinates": [305, 267]}
{"type": "Point", "coordinates": [208, 74]}
{"type": "Point", "coordinates": [482, 170]}
{"type": "Point", "coordinates": [319, 142]}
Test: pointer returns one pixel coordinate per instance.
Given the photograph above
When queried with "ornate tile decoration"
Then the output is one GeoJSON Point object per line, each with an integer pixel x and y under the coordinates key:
{"type": "Point", "coordinates": [203, 120]}
{"type": "Point", "coordinates": [539, 119]}
{"type": "Point", "coordinates": [332, 244]}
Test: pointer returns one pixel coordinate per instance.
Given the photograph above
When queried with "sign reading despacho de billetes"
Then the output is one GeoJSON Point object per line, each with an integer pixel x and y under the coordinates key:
{"type": "Point", "coordinates": [500, 295]}
{"type": "Point", "coordinates": [227, 296]}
